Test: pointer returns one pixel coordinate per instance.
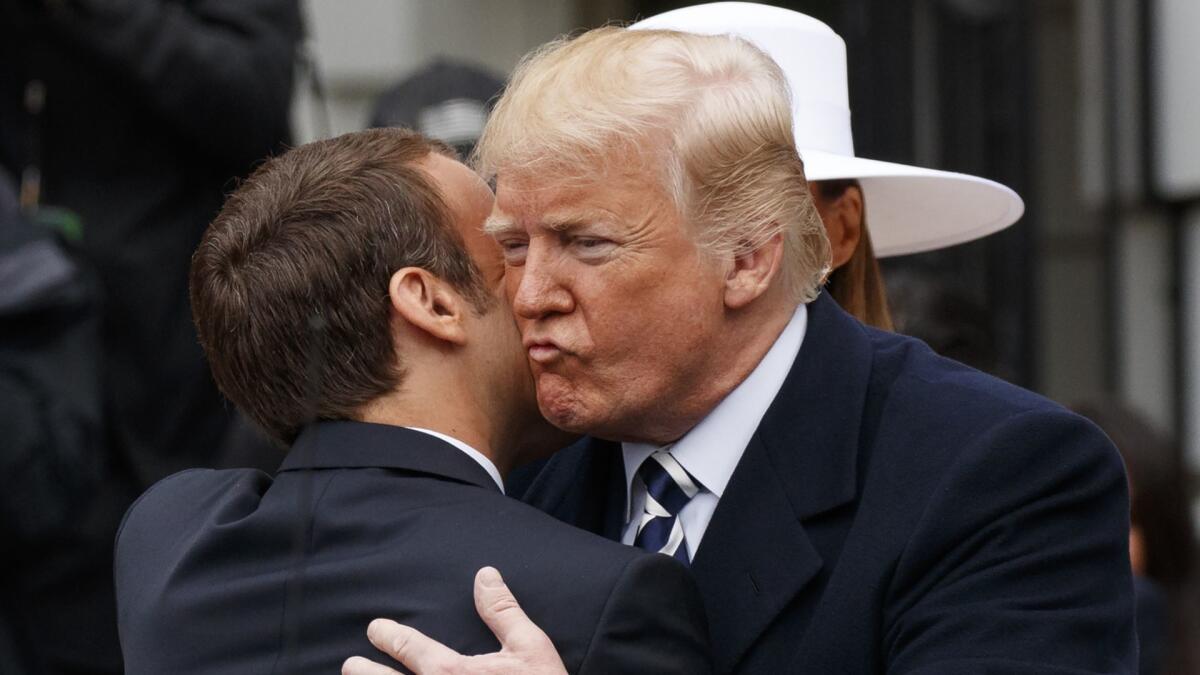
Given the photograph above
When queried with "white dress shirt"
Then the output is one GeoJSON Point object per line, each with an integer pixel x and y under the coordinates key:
{"type": "Point", "coordinates": [711, 450]}
{"type": "Point", "coordinates": [470, 452]}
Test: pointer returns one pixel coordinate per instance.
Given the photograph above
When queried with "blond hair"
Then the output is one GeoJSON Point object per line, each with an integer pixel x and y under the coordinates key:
{"type": "Point", "coordinates": [712, 113]}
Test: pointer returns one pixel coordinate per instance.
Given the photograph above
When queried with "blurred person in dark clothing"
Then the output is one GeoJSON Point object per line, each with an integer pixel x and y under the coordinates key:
{"type": "Point", "coordinates": [136, 115]}
{"type": "Point", "coordinates": [447, 100]}
{"type": "Point", "coordinates": [933, 308]}
{"type": "Point", "coordinates": [50, 398]}
{"type": "Point", "coordinates": [1162, 544]}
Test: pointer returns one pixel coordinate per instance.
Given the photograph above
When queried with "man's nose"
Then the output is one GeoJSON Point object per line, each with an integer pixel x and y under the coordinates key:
{"type": "Point", "coordinates": [539, 291]}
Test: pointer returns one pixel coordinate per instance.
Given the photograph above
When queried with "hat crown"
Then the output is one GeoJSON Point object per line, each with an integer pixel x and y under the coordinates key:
{"type": "Point", "coordinates": [811, 55]}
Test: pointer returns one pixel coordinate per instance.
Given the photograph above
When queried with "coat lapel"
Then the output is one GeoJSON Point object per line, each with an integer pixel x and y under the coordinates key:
{"type": "Point", "coordinates": [756, 556]}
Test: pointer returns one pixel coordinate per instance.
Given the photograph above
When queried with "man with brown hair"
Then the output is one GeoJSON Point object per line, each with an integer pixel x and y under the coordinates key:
{"type": "Point", "coordinates": [348, 281]}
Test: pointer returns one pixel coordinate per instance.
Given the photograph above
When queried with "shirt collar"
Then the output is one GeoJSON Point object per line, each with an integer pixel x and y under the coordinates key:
{"type": "Point", "coordinates": [710, 451]}
{"type": "Point", "coordinates": [470, 452]}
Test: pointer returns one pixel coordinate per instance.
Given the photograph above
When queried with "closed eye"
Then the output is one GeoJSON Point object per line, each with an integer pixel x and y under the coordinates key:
{"type": "Point", "coordinates": [514, 251]}
{"type": "Point", "coordinates": [591, 248]}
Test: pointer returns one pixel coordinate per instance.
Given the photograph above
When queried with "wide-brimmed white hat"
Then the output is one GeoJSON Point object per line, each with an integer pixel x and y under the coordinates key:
{"type": "Point", "coordinates": [911, 209]}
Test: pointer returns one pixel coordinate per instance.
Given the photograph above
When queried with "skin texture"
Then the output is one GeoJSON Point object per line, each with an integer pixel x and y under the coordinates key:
{"type": "Point", "coordinates": [843, 217]}
{"type": "Point", "coordinates": [633, 332]}
{"type": "Point", "coordinates": [466, 374]}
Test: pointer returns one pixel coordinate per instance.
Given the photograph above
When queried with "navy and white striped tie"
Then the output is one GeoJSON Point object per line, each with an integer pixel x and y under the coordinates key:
{"type": "Point", "coordinates": [668, 489]}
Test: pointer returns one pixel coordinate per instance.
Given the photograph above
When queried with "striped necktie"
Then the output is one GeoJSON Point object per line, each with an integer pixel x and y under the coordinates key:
{"type": "Point", "coordinates": [668, 489]}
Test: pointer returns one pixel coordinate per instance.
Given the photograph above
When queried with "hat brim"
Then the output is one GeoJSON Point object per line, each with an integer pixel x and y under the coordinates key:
{"type": "Point", "coordinates": [911, 209]}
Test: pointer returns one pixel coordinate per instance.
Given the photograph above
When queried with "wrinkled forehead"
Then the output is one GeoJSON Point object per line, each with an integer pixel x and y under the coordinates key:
{"type": "Point", "coordinates": [558, 201]}
{"type": "Point", "coordinates": [532, 201]}
{"type": "Point", "coordinates": [624, 176]}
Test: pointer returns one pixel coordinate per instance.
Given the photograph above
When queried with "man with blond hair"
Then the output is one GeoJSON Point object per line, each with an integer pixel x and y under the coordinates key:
{"type": "Point", "coordinates": [848, 501]}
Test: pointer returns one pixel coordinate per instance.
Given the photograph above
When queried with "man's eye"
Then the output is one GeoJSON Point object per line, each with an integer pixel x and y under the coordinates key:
{"type": "Point", "coordinates": [514, 251]}
{"type": "Point", "coordinates": [592, 246]}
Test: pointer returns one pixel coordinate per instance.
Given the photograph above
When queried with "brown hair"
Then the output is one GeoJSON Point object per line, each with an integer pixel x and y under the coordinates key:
{"type": "Point", "coordinates": [289, 286]}
{"type": "Point", "coordinates": [858, 285]}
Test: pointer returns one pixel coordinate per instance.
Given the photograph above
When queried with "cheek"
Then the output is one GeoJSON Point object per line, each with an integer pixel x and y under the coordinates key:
{"type": "Point", "coordinates": [643, 334]}
{"type": "Point", "coordinates": [512, 280]}
{"type": "Point", "coordinates": [680, 293]}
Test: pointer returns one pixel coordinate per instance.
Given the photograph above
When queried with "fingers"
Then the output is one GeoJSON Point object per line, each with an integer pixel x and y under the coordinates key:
{"type": "Point", "coordinates": [419, 653]}
{"type": "Point", "coordinates": [357, 665]}
{"type": "Point", "coordinates": [499, 610]}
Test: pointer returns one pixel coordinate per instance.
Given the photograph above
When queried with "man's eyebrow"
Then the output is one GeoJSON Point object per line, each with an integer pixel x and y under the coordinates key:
{"type": "Point", "coordinates": [565, 223]}
{"type": "Point", "coordinates": [495, 225]}
{"type": "Point", "coordinates": [568, 222]}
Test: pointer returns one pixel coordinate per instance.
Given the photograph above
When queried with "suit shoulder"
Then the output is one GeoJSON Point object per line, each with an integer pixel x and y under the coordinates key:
{"type": "Point", "coordinates": [653, 622]}
{"type": "Point", "coordinates": [631, 611]}
{"type": "Point", "coordinates": [539, 551]}
{"type": "Point", "coordinates": [520, 522]}
{"type": "Point", "coordinates": [189, 483]}
{"type": "Point", "coordinates": [566, 579]}
{"type": "Point", "coordinates": [174, 507]}
{"type": "Point", "coordinates": [917, 384]}
{"type": "Point", "coordinates": [189, 489]}
{"type": "Point", "coordinates": [927, 414]}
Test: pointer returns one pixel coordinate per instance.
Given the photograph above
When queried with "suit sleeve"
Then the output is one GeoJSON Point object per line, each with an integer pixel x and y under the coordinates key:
{"type": "Point", "coordinates": [1020, 562]}
{"type": "Point", "coordinates": [219, 72]}
{"type": "Point", "coordinates": [653, 622]}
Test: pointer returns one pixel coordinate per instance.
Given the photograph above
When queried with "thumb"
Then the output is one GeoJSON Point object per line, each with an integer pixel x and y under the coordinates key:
{"type": "Point", "coordinates": [499, 610]}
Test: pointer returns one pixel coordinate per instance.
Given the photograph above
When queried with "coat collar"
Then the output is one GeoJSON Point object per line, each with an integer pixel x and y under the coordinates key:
{"type": "Point", "coordinates": [811, 429]}
{"type": "Point", "coordinates": [360, 445]}
{"type": "Point", "coordinates": [756, 556]}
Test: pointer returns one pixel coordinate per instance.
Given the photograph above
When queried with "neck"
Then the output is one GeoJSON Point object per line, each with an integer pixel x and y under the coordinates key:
{"type": "Point", "coordinates": [445, 404]}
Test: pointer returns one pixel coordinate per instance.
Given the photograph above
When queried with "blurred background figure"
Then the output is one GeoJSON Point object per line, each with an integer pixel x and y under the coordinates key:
{"type": "Point", "coordinates": [448, 100]}
{"type": "Point", "coordinates": [50, 398]}
{"type": "Point", "coordinates": [126, 122]}
{"type": "Point", "coordinates": [927, 305]}
{"type": "Point", "coordinates": [1162, 540]}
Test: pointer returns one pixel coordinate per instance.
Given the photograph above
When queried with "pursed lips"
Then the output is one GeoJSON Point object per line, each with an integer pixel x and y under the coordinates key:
{"type": "Point", "coordinates": [541, 350]}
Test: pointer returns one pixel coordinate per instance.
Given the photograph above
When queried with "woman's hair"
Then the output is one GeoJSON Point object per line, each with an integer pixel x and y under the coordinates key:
{"type": "Point", "coordinates": [858, 285]}
{"type": "Point", "coordinates": [711, 114]}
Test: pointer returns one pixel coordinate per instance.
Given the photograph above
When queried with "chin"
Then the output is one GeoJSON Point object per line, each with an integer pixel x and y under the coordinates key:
{"type": "Point", "coordinates": [560, 404]}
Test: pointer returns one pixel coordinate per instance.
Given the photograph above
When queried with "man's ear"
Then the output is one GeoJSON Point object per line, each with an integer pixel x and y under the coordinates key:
{"type": "Point", "coordinates": [752, 272]}
{"type": "Point", "coordinates": [429, 304]}
{"type": "Point", "coordinates": [843, 224]}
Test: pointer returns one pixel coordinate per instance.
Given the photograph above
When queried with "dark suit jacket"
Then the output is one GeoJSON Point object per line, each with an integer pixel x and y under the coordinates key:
{"type": "Point", "coordinates": [896, 512]}
{"type": "Point", "coordinates": [392, 523]}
